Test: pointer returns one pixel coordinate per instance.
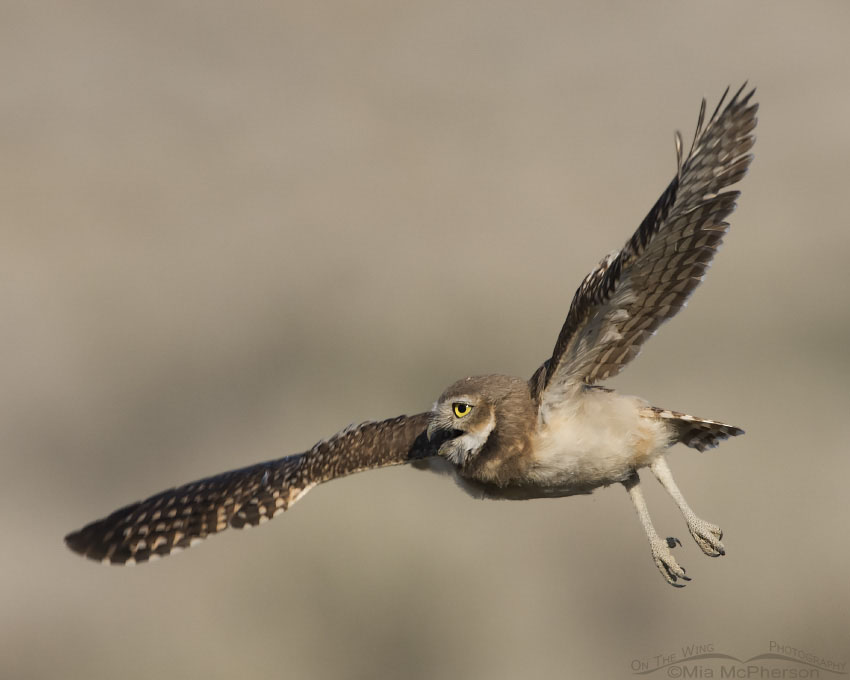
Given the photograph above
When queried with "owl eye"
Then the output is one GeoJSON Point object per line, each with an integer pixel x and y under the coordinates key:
{"type": "Point", "coordinates": [461, 408]}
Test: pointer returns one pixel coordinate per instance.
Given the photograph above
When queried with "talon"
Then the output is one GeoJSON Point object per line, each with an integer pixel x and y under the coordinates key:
{"type": "Point", "coordinates": [672, 542]}
{"type": "Point", "coordinates": [667, 565]}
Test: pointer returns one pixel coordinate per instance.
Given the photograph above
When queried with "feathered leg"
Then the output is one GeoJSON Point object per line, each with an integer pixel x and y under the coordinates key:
{"type": "Point", "coordinates": [664, 559]}
{"type": "Point", "coordinates": [706, 535]}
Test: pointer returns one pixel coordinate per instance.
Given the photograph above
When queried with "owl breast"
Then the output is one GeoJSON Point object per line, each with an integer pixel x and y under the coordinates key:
{"type": "Point", "coordinates": [596, 438]}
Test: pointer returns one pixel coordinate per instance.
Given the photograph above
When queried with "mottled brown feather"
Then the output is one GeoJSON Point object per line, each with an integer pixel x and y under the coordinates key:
{"type": "Point", "coordinates": [178, 517]}
{"type": "Point", "coordinates": [698, 433]}
{"type": "Point", "coordinates": [631, 292]}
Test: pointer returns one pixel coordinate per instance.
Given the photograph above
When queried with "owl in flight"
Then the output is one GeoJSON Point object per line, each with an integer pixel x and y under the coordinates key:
{"type": "Point", "coordinates": [557, 434]}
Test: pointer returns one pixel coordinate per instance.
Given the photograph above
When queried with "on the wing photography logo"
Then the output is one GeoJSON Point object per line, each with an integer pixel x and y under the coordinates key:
{"type": "Point", "coordinates": [706, 661]}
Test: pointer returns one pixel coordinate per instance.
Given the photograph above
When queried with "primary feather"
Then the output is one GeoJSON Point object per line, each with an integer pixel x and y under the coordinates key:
{"type": "Point", "coordinates": [631, 292]}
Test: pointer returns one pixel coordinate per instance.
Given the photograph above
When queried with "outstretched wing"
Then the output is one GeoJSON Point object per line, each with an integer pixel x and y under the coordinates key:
{"type": "Point", "coordinates": [631, 292]}
{"type": "Point", "coordinates": [180, 517]}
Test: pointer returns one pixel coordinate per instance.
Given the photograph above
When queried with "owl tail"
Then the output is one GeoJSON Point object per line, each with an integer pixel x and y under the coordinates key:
{"type": "Point", "coordinates": [698, 433]}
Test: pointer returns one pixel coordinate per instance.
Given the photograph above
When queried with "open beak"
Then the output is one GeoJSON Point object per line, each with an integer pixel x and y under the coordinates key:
{"type": "Point", "coordinates": [433, 428]}
{"type": "Point", "coordinates": [438, 432]}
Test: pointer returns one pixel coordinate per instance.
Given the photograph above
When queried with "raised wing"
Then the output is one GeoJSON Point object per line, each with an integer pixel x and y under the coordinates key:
{"type": "Point", "coordinates": [180, 517]}
{"type": "Point", "coordinates": [631, 292]}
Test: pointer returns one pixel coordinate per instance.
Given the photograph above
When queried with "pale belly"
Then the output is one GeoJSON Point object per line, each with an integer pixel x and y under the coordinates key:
{"type": "Point", "coordinates": [597, 440]}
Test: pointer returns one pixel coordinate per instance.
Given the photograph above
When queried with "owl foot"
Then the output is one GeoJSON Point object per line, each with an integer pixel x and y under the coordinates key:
{"type": "Point", "coordinates": [707, 536]}
{"type": "Point", "coordinates": [667, 565]}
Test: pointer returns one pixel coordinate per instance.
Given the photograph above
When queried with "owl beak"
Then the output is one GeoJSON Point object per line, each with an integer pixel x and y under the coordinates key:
{"type": "Point", "coordinates": [433, 428]}
{"type": "Point", "coordinates": [438, 433]}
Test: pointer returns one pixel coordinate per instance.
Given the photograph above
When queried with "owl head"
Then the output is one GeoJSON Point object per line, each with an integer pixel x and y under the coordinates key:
{"type": "Point", "coordinates": [469, 413]}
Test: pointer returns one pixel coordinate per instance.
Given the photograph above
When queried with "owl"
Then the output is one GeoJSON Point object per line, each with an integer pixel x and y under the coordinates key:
{"type": "Point", "coordinates": [558, 433]}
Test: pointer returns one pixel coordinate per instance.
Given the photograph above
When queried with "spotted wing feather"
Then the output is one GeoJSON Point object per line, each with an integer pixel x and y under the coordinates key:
{"type": "Point", "coordinates": [631, 292]}
{"type": "Point", "coordinates": [179, 517]}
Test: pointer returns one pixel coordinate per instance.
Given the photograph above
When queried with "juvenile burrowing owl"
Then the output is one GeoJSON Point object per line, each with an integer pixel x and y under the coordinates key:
{"type": "Point", "coordinates": [557, 434]}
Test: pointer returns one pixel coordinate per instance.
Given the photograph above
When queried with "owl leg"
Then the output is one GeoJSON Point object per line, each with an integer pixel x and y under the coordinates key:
{"type": "Point", "coordinates": [661, 554]}
{"type": "Point", "coordinates": [706, 535]}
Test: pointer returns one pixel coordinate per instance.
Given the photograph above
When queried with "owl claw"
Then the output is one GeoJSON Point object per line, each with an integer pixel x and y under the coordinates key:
{"type": "Point", "coordinates": [667, 565]}
{"type": "Point", "coordinates": [707, 537]}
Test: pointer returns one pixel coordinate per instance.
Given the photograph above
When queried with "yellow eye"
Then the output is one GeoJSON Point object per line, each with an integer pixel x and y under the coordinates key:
{"type": "Point", "coordinates": [461, 408]}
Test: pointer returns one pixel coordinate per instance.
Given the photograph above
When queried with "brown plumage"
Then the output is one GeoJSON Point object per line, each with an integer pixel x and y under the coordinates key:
{"type": "Point", "coordinates": [698, 433]}
{"type": "Point", "coordinates": [178, 517]}
{"type": "Point", "coordinates": [557, 434]}
{"type": "Point", "coordinates": [622, 302]}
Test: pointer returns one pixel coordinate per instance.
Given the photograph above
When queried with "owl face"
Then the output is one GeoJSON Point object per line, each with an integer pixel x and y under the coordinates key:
{"type": "Point", "coordinates": [462, 418]}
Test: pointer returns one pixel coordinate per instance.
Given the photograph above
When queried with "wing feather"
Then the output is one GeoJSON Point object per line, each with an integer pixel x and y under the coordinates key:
{"type": "Point", "coordinates": [179, 517]}
{"type": "Point", "coordinates": [632, 291]}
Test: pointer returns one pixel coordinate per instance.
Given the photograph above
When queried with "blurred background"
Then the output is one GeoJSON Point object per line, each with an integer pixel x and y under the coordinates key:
{"type": "Point", "coordinates": [230, 230]}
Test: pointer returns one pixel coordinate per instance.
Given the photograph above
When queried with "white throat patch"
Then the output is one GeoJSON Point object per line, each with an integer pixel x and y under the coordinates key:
{"type": "Point", "coordinates": [471, 442]}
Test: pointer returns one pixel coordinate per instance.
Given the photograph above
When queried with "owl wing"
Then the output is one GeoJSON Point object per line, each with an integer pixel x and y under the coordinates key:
{"type": "Point", "coordinates": [631, 292]}
{"type": "Point", "coordinates": [180, 517]}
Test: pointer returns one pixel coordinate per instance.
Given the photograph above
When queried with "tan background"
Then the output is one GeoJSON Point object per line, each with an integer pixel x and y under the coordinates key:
{"type": "Point", "coordinates": [231, 229]}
